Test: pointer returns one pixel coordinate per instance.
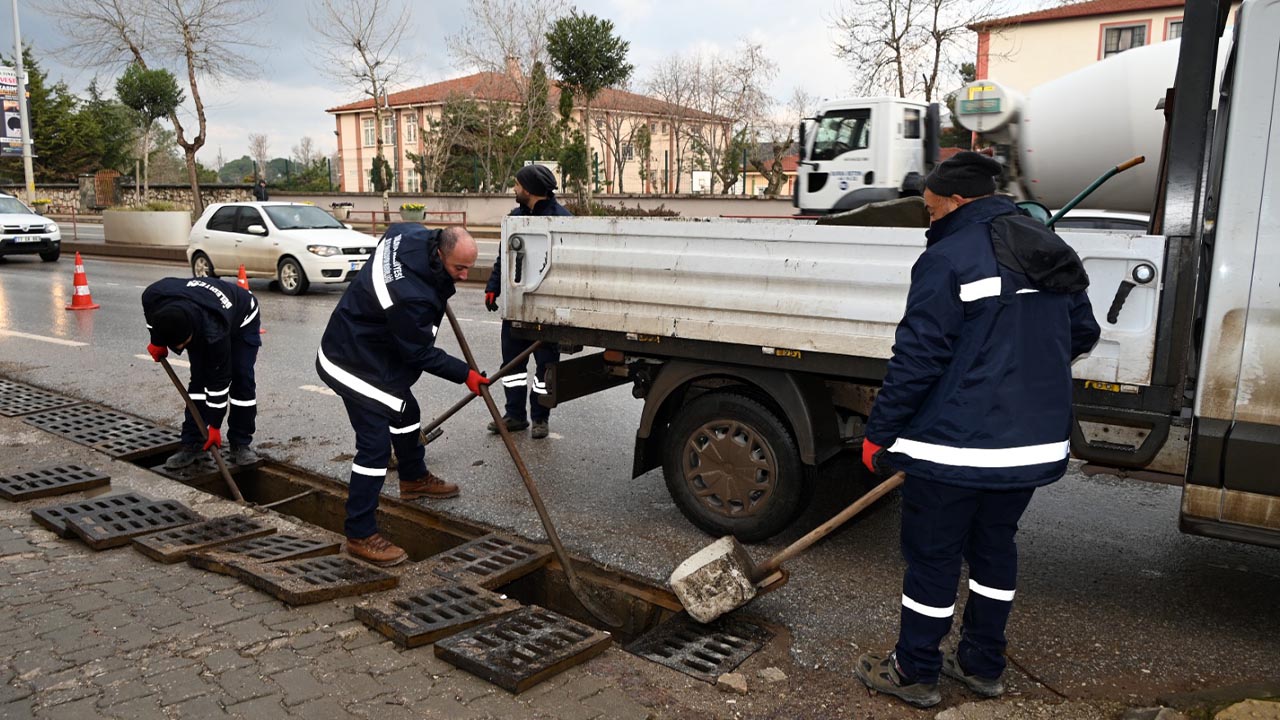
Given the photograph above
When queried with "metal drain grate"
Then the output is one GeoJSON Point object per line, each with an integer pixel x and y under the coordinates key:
{"type": "Point", "coordinates": [520, 650]}
{"type": "Point", "coordinates": [424, 617]}
{"type": "Point", "coordinates": [113, 528]}
{"type": "Point", "coordinates": [55, 517]}
{"type": "Point", "coordinates": [19, 399]}
{"type": "Point", "coordinates": [272, 548]}
{"type": "Point", "coordinates": [50, 481]}
{"type": "Point", "coordinates": [302, 582]}
{"type": "Point", "coordinates": [702, 651]}
{"type": "Point", "coordinates": [490, 561]}
{"type": "Point", "coordinates": [171, 546]}
{"type": "Point", "coordinates": [119, 435]}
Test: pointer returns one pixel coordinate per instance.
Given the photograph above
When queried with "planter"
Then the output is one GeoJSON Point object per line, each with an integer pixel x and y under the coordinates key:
{"type": "Point", "coordinates": [39, 209]}
{"type": "Point", "coordinates": [341, 213]}
{"type": "Point", "coordinates": [413, 215]}
{"type": "Point", "coordinates": [167, 228]}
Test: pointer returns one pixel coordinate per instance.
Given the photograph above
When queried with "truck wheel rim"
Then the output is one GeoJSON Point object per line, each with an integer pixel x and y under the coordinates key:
{"type": "Point", "coordinates": [730, 468]}
{"type": "Point", "coordinates": [288, 276]}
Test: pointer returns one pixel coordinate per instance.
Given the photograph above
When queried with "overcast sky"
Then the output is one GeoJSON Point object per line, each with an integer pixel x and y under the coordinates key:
{"type": "Point", "coordinates": [287, 97]}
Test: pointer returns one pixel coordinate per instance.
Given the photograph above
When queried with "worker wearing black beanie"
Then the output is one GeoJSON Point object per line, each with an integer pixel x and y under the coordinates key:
{"type": "Point", "coordinates": [537, 180]}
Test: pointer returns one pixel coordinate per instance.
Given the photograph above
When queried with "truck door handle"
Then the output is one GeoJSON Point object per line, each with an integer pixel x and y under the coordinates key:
{"type": "Point", "coordinates": [1117, 302]}
{"type": "Point", "coordinates": [517, 244]}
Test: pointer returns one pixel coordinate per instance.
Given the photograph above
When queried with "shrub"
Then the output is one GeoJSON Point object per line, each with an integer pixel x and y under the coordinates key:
{"type": "Point", "coordinates": [595, 209]}
{"type": "Point", "coordinates": [153, 206]}
{"type": "Point", "coordinates": [413, 206]}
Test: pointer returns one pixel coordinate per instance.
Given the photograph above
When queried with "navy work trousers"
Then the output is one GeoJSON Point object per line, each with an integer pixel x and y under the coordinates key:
{"type": "Point", "coordinates": [375, 438]}
{"type": "Point", "coordinates": [517, 384]}
{"type": "Point", "coordinates": [242, 418]}
{"type": "Point", "coordinates": [942, 524]}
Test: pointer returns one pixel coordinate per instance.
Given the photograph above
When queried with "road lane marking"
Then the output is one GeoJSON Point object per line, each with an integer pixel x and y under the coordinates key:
{"type": "Point", "coordinates": [172, 361]}
{"type": "Point", "coordinates": [318, 389]}
{"type": "Point", "coordinates": [485, 322]}
{"type": "Point", "coordinates": [43, 338]}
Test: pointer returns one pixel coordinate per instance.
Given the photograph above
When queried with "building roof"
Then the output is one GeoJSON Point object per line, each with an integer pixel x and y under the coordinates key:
{"type": "Point", "coordinates": [498, 87]}
{"type": "Point", "coordinates": [1089, 8]}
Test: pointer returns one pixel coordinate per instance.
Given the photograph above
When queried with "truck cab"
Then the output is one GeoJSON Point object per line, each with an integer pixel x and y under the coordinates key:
{"type": "Point", "coordinates": [863, 150]}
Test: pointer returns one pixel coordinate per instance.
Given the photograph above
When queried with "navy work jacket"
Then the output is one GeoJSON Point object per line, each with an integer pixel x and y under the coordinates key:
{"type": "Point", "coordinates": [545, 206]}
{"type": "Point", "coordinates": [381, 336]}
{"type": "Point", "coordinates": [978, 391]}
{"type": "Point", "coordinates": [220, 312]}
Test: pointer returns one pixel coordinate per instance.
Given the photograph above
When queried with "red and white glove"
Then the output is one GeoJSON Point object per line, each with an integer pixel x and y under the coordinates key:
{"type": "Point", "coordinates": [491, 301]}
{"type": "Point", "coordinates": [214, 439]}
{"type": "Point", "coordinates": [157, 351]}
{"type": "Point", "coordinates": [475, 381]}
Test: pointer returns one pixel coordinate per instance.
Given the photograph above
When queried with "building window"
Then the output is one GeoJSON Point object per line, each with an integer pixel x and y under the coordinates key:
{"type": "Point", "coordinates": [411, 130]}
{"type": "Point", "coordinates": [1116, 40]}
{"type": "Point", "coordinates": [412, 183]}
{"type": "Point", "coordinates": [1173, 30]}
{"type": "Point", "coordinates": [628, 152]}
{"type": "Point", "coordinates": [388, 130]}
{"type": "Point", "coordinates": [367, 124]}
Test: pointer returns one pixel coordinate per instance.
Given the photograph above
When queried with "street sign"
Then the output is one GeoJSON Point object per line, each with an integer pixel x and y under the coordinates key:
{"type": "Point", "coordinates": [980, 106]}
{"type": "Point", "coordinates": [11, 132]}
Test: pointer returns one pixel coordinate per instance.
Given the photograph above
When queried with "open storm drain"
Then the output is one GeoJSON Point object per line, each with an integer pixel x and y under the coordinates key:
{"type": "Point", "coordinates": [113, 528]}
{"type": "Point", "coordinates": [522, 649]}
{"type": "Point", "coordinates": [423, 617]}
{"type": "Point", "coordinates": [46, 482]}
{"type": "Point", "coordinates": [122, 436]}
{"type": "Point", "coordinates": [490, 561]}
{"type": "Point", "coordinates": [55, 517]}
{"type": "Point", "coordinates": [302, 582]}
{"type": "Point", "coordinates": [171, 546]}
{"type": "Point", "coordinates": [19, 399]}
{"type": "Point", "coordinates": [702, 651]}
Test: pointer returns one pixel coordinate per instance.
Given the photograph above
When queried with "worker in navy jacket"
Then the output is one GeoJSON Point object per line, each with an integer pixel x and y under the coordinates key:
{"type": "Point", "coordinates": [976, 410]}
{"type": "Point", "coordinates": [535, 193]}
{"type": "Point", "coordinates": [381, 337]}
{"type": "Point", "coordinates": [216, 323]}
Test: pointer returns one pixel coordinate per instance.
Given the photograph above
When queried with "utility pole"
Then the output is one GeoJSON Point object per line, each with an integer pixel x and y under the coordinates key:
{"type": "Point", "coordinates": [22, 107]}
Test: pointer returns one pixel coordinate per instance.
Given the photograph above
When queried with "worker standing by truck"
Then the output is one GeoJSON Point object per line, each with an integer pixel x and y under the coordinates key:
{"type": "Point", "coordinates": [380, 339]}
{"type": "Point", "coordinates": [535, 193]}
{"type": "Point", "coordinates": [976, 410]}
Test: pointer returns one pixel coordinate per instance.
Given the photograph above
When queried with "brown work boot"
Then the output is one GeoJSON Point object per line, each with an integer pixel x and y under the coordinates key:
{"type": "Point", "coordinates": [376, 550]}
{"type": "Point", "coordinates": [430, 487]}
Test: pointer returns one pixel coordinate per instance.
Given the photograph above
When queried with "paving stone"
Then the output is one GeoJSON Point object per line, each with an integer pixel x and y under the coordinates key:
{"type": "Point", "coordinates": [278, 660]}
{"type": "Point", "coordinates": [176, 686]}
{"type": "Point", "coordinates": [220, 661]}
{"type": "Point", "coordinates": [258, 709]}
{"type": "Point", "coordinates": [381, 658]}
{"type": "Point", "coordinates": [352, 687]}
{"type": "Point", "coordinates": [322, 709]}
{"type": "Point", "coordinates": [123, 691]}
{"type": "Point", "coordinates": [244, 684]}
{"type": "Point", "coordinates": [299, 686]}
{"type": "Point", "coordinates": [17, 710]}
{"type": "Point", "coordinates": [201, 708]}
{"type": "Point", "coordinates": [68, 711]}
{"type": "Point", "coordinates": [143, 708]}
{"type": "Point", "coordinates": [248, 631]}
{"type": "Point", "coordinates": [167, 664]}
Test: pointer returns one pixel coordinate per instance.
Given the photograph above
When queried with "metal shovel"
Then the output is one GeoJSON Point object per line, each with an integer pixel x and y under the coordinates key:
{"type": "Point", "coordinates": [433, 431]}
{"type": "Point", "coordinates": [204, 431]}
{"type": "Point", "coordinates": [592, 606]}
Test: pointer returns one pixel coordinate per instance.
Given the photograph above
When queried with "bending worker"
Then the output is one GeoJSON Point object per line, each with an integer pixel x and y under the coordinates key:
{"type": "Point", "coordinates": [976, 410]}
{"type": "Point", "coordinates": [535, 193]}
{"type": "Point", "coordinates": [217, 324]}
{"type": "Point", "coordinates": [380, 339]}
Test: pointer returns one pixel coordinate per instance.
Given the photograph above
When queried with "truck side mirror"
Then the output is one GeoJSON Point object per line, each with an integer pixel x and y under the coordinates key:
{"type": "Point", "coordinates": [932, 136]}
{"type": "Point", "coordinates": [801, 151]}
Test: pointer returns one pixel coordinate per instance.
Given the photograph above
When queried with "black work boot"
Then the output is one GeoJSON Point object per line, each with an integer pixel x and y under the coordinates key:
{"type": "Point", "coordinates": [513, 424]}
{"type": "Point", "coordinates": [539, 430]}
{"type": "Point", "coordinates": [186, 456]}
{"type": "Point", "coordinates": [881, 674]}
{"type": "Point", "coordinates": [243, 455]}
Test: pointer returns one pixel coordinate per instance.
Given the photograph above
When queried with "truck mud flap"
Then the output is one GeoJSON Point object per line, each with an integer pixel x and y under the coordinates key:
{"type": "Point", "coordinates": [1116, 454]}
{"type": "Point", "coordinates": [579, 377]}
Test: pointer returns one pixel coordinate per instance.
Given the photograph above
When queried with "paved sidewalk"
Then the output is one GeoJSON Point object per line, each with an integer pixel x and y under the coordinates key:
{"type": "Point", "coordinates": [113, 634]}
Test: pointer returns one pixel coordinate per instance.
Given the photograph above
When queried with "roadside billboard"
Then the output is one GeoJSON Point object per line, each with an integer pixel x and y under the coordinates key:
{"type": "Point", "coordinates": [11, 132]}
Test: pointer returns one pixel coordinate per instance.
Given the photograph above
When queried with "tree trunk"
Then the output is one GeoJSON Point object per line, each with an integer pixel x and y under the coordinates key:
{"type": "Point", "coordinates": [197, 202]}
{"type": "Point", "coordinates": [146, 166]}
{"type": "Point", "coordinates": [586, 133]}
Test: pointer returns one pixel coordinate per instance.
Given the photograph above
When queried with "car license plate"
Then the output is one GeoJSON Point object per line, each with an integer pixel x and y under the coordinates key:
{"type": "Point", "coordinates": [356, 265]}
{"type": "Point", "coordinates": [28, 239]}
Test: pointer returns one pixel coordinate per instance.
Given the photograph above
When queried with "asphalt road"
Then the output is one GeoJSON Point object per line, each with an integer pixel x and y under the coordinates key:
{"type": "Point", "coordinates": [1113, 603]}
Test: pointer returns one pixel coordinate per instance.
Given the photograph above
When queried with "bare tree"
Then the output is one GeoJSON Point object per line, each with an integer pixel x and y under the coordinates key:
{"type": "Point", "coordinates": [203, 40]}
{"type": "Point", "coordinates": [619, 133]}
{"type": "Point", "coordinates": [260, 151]}
{"type": "Point", "coordinates": [673, 82]}
{"type": "Point", "coordinates": [360, 48]}
{"type": "Point", "coordinates": [909, 47]}
{"type": "Point", "coordinates": [730, 88]}
{"type": "Point", "coordinates": [506, 37]}
{"type": "Point", "coordinates": [777, 137]}
{"type": "Point", "coordinates": [305, 152]}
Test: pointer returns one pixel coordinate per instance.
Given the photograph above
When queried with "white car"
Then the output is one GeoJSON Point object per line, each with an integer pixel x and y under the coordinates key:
{"type": "Point", "coordinates": [24, 232]}
{"type": "Point", "coordinates": [295, 243]}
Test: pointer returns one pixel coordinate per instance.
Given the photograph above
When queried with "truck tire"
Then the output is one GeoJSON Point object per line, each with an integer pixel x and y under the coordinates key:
{"type": "Point", "coordinates": [733, 468]}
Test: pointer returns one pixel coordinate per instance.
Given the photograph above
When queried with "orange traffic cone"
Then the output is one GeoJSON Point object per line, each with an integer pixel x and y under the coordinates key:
{"type": "Point", "coordinates": [243, 281]}
{"type": "Point", "coordinates": [81, 299]}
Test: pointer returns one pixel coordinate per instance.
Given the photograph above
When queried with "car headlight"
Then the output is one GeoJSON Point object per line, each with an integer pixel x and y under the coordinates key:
{"type": "Point", "coordinates": [323, 250]}
{"type": "Point", "coordinates": [51, 227]}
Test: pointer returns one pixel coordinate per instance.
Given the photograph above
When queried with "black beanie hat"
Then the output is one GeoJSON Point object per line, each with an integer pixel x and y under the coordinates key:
{"type": "Point", "coordinates": [967, 174]}
{"type": "Point", "coordinates": [170, 326]}
{"type": "Point", "coordinates": [537, 179]}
